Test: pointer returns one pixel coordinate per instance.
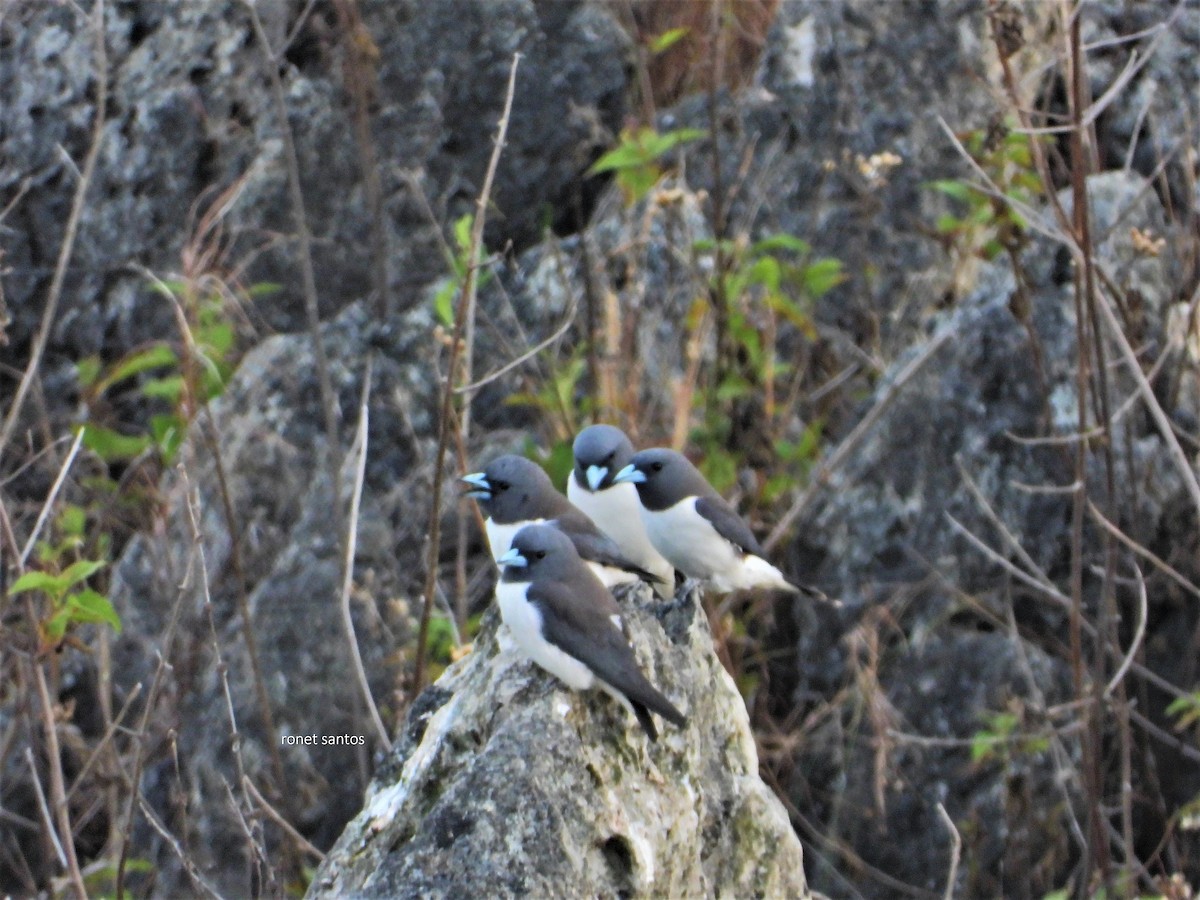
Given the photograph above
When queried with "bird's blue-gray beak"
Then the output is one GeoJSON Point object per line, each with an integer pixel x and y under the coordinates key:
{"type": "Point", "coordinates": [513, 558]}
{"type": "Point", "coordinates": [479, 486]}
{"type": "Point", "coordinates": [595, 476]}
{"type": "Point", "coordinates": [631, 475]}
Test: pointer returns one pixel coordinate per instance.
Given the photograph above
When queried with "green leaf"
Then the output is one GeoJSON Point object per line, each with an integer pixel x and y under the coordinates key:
{"type": "Point", "coordinates": [169, 388]}
{"type": "Point", "coordinates": [642, 147]}
{"type": "Point", "coordinates": [822, 275]}
{"type": "Point", "coordinates": [623, 156]}
{"type": "Point", "coordinates": [214, 377]}
{"type": "Point", "coordinates": [462, 232]}
{"type": "Point", "coordinates": [443, 302]}
{"type": "Point", "coordinates": [776, 242]}
{"type": "Point", "coordinates": [776, 486]}
{"type": "Point", "coordinates": [1174, 708]}
{"type": "Point", "coordinates": [39, 581]}
{"type": "Point", "coordinates": [263, 289]}
{"type": "Point", "coordinates": [56, 625]}
{"type": "Point", "coordinates": [767, 272]}
{"type": "Point", "coordinates": [217, 338]}
{"type": "Point", "coordinates": [637, 182]}
{"type": "Point", "coordinates": [948, 224]}
{"type": "Point", "coordinates": [557, 463]}
{"type": "Point", "coordinates": [112, 446]}
{"type": "Point", "coordinates": [666, 40]}
{"type": "Point", "coordinates": [153, 357]}
{"type": "Point", "coordinates": [732, 388]}
{"type": "Point", "coordinates": [952, 187]}
{"type": "Point", "coordinates": [81, 570]}
{"type": "Point", "coordinates": [439, 640]}
{"type": "Point", "coordinates": [72, 519]}
{"type": "Point", "coordinates": [168, 432]}
{"type": "Point", "coordinates": [87, 370]}
{"type": "Point", "coordinates": [91, 606]}
{"type": "Point", "coordinates": [983, 744]}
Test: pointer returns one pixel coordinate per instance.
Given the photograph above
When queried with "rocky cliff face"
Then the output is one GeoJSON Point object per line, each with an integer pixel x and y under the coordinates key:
{"type": "Point", "coordinates": [888, 690]}
{"type": "Point", "coordinates": [503, 783]}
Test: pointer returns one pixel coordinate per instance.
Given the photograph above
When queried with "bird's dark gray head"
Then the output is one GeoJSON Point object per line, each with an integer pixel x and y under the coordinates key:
{"type": "Point", "coordinates": [600, 453]}
{"type": "Point", "coordinates": [539, 551]}
{"type": "Point", "coordinates": [663, 478]}
{"type": "Point", "coordinates": [514, 489]}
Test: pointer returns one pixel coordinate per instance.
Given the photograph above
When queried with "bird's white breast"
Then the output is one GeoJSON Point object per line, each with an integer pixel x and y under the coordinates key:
{"type": "Point", "coordinates": [616, 511]}
{"type": "Point", "coordinates": [524, 620]}
{"type": "Point", "coordinates": [500, 537]}
{"type": "Point", "coordinates": [689, 541]}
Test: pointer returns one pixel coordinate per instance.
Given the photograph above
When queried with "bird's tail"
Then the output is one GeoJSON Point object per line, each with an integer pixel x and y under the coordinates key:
{"type": "Point", "coordinates": [815, 593]}
{"type": "Point", "coordinates": [645, 720]}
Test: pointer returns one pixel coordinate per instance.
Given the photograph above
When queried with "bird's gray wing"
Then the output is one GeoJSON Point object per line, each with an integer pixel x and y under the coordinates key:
{"type": "Point", "coordinates": [576, 619]}
{"type": "Point", "coordinates": [729, 524]}
{"type": "Point", "coordinates": [595, 546]}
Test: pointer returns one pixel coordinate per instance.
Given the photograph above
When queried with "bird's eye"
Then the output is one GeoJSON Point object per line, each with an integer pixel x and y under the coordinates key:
{"type": "Point", "coordinates": [502, 485]}
{"type": "Point", "coordinates": [541, 554]}
{"type": "Point", "coordinates": [610, 456]}
{"type": "Point", "coordinates": [657, 467]}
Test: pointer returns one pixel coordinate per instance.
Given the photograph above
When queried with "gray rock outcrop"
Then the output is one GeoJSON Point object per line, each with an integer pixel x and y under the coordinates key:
{"type": "Point", "coordinates": [504, 784]}
{"type": "Point", "coordinates": [951, 448]}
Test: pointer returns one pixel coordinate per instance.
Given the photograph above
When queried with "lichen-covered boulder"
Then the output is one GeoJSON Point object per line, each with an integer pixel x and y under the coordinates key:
{"type": "Point", "coordinates": [505, 783]}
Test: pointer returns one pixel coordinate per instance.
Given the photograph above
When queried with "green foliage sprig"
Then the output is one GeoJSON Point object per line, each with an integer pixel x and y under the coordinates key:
{"type": "Point", "coordinates": [635, 159]}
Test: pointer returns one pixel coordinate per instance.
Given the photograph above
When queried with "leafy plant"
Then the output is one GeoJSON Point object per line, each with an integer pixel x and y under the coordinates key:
{"type": "Point", "coordinates": [762, 287]}
{"type": "Point", "coordinates": [1185, 710]}
{"type": "Point", "coordinates": [986, 226]}
{"type": "Point", "coordinates": [558, 395]}
{"type": "Point", "coordinates": [459, 261]}
{"type": "Point", "coordinates": [635, 159]}
{"type": "Point", "coordinates": [1001, 739]}
{"type": "Point", "coordinates": [71, 601]}
{"type": "Point", "coordinates": [184, 384]}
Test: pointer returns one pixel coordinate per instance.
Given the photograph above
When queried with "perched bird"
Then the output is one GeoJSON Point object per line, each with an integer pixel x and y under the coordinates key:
{"type": "Point", "coordinates": [692, 526]}
{"type": "Point", "coordinates": [601, 451]}
{"type": "Point", "coordinates": [514, 492]}
{"type": "Point", "coordinates": [565, 620]}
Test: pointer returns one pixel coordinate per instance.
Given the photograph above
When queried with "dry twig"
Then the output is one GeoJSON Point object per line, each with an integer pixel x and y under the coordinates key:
{"type": "Point", "coordinates": [72, 229]}
{"type": "Point", "coordinates": [465, 301]}
{"type": "Point", "coordinates": [360, 470]}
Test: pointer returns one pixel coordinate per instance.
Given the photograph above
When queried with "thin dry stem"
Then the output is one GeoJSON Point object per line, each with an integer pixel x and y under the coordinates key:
{"type": "Point", "coordinates": [72, 229]}
{"type": "Point", "coordinates": [273, 814]}
{"type": "Point", "coordinates": [58, 795]}
{"type": "Point", "coordinates": [184, 858]}
{"type": "Point", "coordinates": [254, 839]}
{"type": "Point", "coordinates": [44, 808]}
{"type": "Point", "coordinates": [151, 696]}
{"type": "Point", "coordinates": [444, 424]}
{"type": "Point", "coordinates": [835, 460]}
{"type": "Point", "coordinates": [360, 470]}
{"type": "Point", "coordinates": [50, 499]}
{"type": "Point", "coordinates": [955, 851]}
{"type": "Point", "coordinates": [311, 305]}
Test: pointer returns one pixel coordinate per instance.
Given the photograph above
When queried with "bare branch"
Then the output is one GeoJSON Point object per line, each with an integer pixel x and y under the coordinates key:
{"type": "Point", "coordinates": [838, 456]}
{"type": "Point", "coordinates": [50, 498]}
{"type": "Point", "coordinates": [351, 544]}
{"type": "Point", "coordinates": [955, 851]}
{"type": "Point", "coordinates": [1138, 635]}
{"type": "Point", "coordinates": [273, 814]}
{"type": "Point", "coordinates": [72, 229]}
{"type": "Point", "coordinates": [446, 411]}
